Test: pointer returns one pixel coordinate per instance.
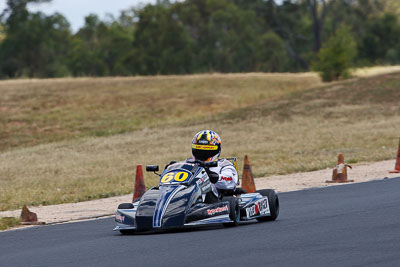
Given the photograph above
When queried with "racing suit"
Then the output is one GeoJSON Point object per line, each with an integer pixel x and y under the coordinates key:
{"type": "Point", "coordinates": [228, 176]}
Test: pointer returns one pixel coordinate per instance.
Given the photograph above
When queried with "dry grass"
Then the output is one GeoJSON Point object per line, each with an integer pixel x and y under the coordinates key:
{"type": "Point", "coordinates": [299, 128]}
{"type": "Point", "coordinates": [41, 111]}
{"type": "Point", "coordinates": [377, 70]}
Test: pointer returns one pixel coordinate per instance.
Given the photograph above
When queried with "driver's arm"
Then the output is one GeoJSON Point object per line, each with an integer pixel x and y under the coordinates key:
{"type": "Point", "coordinates": [214, 177]}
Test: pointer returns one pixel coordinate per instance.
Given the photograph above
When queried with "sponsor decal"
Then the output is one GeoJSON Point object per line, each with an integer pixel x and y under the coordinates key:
{"type": "Point", "coordinates": [204, 147]}
{"type": "Point", "coordinates": [119, 218]}
{"type": "Point", "coordinates": [259, 208]}
{"type": "Point", "coordinates": [203, 142]}
{"type": "Point", "coordinates": [204, 184]}
{"type": "Point", "coordinates": [217, 210]}
{"type": "Point", "coordinates": [205, 187]}
{"type": "Point", "coordinates": [200, 181]}
{"type": "Point", "coordinates": [226, 178]}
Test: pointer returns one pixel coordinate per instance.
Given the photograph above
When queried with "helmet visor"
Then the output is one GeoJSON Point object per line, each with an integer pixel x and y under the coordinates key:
{"type": "Point", "coordinates": [204, 152]}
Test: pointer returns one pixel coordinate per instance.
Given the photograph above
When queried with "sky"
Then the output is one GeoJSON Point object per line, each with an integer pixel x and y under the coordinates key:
{"type": "Point", "coordinates": [76, 10]}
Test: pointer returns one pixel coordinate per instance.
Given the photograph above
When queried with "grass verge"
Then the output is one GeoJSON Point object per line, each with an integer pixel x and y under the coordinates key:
{"type": "Point", "coordinates": [8, 222]}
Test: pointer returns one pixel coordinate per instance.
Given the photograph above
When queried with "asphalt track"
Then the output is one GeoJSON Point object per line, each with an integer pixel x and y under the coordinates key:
{"type": "Point", "coordinates": [350, 225]}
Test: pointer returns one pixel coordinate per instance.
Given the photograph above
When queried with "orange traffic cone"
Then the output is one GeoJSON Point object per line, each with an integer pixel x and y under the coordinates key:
{"type": "Point", "coordinates": [28, 217]}
{"type": "Point", "coordinates": [339, 174]}
{"type": "Point", "coordinates": [140, 188]}
{"type": "Point", "coordinates": [247, 177]}
{"type": "Point", "coordinates": [397, 166]}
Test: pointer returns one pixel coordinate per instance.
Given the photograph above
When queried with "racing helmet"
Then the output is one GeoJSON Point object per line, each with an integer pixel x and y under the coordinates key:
{"type": "Point", "coordinates": [206, 146]}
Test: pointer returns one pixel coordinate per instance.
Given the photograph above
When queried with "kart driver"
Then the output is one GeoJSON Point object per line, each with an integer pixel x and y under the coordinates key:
{"type": "Point", "coordinates": [206, 146]}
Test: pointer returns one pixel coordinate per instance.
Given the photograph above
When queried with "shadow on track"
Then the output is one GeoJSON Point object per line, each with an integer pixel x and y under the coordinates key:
{"type": "Point", "coordinates": [187, 229]}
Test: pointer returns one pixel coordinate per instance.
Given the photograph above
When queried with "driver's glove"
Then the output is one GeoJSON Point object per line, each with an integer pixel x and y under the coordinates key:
{"type": "Point", "coordinates": [214, 177]}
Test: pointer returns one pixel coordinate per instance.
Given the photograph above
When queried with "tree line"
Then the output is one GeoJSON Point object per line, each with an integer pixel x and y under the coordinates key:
{"type": "Point", "coordinates": [197, 36]}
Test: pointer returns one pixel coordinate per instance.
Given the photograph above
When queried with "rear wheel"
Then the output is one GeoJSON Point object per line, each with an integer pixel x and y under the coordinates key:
{"type": "Point", "coordinates": [273, 202]}
{"type": "Point", "coordinates": [233, 211]}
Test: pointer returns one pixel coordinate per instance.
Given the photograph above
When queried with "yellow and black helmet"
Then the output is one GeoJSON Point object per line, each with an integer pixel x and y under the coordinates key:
{"type": "Point", "coordinates": [206, 146]}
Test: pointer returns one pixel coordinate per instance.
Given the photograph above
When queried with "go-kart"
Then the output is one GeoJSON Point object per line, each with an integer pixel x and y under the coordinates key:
{"type": "Point", "coordinates": [180, 200]}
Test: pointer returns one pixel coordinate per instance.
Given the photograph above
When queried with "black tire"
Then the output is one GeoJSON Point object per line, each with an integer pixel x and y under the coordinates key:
{"type": "Point", "coordinates": [127, 232]}
{"type": "Point", "coordinates": [233, 210]}
{"type": "Point", "coordinates": [125, 206]}
{"type": "Point", "coordinates": [273, 202]}
{"type": "Point", "coordinates": [211, 198]}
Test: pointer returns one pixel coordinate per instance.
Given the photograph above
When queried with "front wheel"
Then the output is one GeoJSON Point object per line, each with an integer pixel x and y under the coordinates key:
{"type": "Point", "coordinates": [273, 202]}
{"type": "Point", "coordinates": [233, 211]}
{"type": "Point", "coordinates": [127, 232]}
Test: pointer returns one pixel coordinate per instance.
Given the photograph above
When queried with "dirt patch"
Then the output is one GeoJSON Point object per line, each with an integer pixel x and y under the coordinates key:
{"type": "Point", "coordinates": [281, 183]}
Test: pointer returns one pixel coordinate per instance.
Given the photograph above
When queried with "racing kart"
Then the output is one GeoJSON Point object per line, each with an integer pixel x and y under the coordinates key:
{"type": "Point", "coordinates": [180, 200]}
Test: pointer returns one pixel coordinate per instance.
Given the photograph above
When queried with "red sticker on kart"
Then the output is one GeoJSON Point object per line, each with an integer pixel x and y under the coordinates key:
{"type": "Point", "coordinates": [217, 210]}
{"type": "Point", "coordinates": [260, 207]}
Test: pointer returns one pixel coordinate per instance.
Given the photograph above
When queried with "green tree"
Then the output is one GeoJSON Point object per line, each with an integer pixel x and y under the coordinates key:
{"type": "Point", "coordinates": [392, 6]}
{"type": "Point", "coordinates": [178, 37]}
{"type": "Point", "coordinates": [84, 61]}
{"type": "Point", "coordinates": [101, 48]}
{"type": "Point", "coordinates": [16, 13]}
{"type": "Point", "coordinates": [381, 41]}
{"type": "Point", "coordinates": [291, 22]}
{"type": "Point", "coordinates": [2, 34]}
{"type": "Point", "coordinates": [224, 37]}
{"type": "Point", "coordinates": [336, 56]}
{"type": "Point", "coordinates": [161, 44]}
{"type": "Point", "coordinates": [271, 56]}
{"type": "Point", "coordinates": [232, 36]}
{"type": "Point", "coordinates": [38, 48]}
{"type": "Point", "coordinates": [35, 45]}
